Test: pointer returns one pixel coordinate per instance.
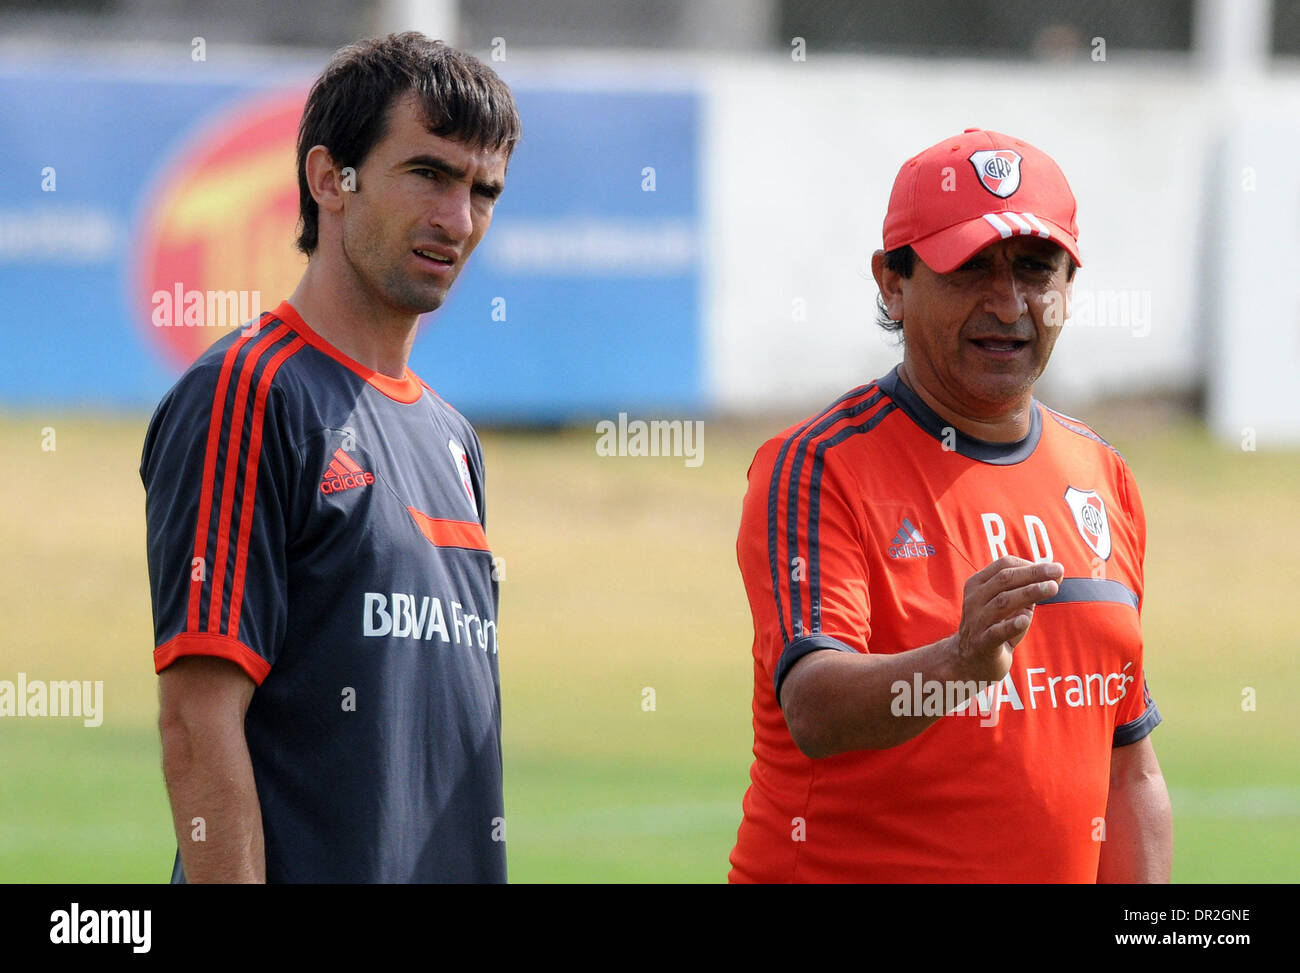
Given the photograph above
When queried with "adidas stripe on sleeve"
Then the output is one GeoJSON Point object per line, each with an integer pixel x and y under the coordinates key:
{"type": "Point", "coordinates": [216, 467]}
{"type": "Point", "coordinates": [800, 545]}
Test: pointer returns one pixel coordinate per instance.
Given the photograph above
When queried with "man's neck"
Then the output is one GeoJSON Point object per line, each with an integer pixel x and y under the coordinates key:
{"type": "Point", "coordinates": [1007, 426]}
{"type": "Point", "coordinates": [329, 300]}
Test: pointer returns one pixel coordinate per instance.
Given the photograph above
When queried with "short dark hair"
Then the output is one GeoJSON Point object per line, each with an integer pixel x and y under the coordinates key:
{"type": "Point", "coordinates": [348, 108]}
{"type": "Point", "coordinates": [902, 261]}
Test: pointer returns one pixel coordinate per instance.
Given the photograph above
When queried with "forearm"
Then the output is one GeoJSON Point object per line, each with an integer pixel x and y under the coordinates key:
{"type": "Point", "coordinates": [840, 701]}
{"type": "Point", "coordinates": [215, 809]}
{"type": "Point", "coordinates": [1139, 845]}
{"type": "Point", "coordinates": [835, 702]}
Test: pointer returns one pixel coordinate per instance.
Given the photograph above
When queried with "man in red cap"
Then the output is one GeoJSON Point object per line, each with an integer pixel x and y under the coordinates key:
{"type": "Point", "coordinates": [909, 723]}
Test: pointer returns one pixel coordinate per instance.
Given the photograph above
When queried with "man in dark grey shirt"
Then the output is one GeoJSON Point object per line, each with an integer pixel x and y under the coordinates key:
{"type": "Point", "coordinates": [325, 607]}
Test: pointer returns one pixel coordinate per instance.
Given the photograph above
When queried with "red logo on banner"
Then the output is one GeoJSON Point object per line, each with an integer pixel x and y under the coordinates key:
{"type": "Point", "coordinates": [215, 245]}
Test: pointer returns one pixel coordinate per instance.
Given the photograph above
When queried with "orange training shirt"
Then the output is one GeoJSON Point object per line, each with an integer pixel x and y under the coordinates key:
{"type": "Point", "coordinates": [860, 528]}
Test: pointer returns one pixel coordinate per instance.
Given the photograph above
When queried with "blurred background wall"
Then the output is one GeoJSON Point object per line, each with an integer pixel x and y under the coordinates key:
{"type": "Point", "coordinates": [689, 221]}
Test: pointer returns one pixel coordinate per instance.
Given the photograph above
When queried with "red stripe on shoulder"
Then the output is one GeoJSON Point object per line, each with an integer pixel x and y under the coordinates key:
{"type": "Point", "coordinates": [209, 474]}
{"type": "Point", "coordinates": [250, 481]}
{"type": "Point", "coordinates": [233, 443]}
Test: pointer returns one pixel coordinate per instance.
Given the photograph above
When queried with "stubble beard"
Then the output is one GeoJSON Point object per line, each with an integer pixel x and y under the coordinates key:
{"type": "Point", "coordinates": [383, 280]}
{"type": "Point", "coordinates": [998, 391]}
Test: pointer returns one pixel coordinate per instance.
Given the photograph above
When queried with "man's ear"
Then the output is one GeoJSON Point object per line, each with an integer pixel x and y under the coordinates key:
{"type": "Point", "coordinates": [324, 179]}
{"type": "Point", "coordinates": [890, 283]}
{"type": "Point", "coordinates": [1059, 304]}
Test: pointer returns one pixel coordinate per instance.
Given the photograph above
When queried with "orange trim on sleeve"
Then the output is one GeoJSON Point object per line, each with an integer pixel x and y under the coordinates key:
{"type": "Point", "coordinates": [204, 643]}
{"type": "Point", "coordinates": [450, 533]}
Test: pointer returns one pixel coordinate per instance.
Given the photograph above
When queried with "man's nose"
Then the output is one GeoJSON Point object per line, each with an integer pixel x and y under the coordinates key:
{"type": "Point", "coordinates": [453, 213]}
{"type": "Point", "coordinates": [1004, 297]}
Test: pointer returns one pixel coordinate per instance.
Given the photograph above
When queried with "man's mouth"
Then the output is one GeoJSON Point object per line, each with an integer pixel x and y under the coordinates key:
{"type": "Point", "coordinates": [999, 345]}
{"type": "Point", "coordinates": [439, 258]}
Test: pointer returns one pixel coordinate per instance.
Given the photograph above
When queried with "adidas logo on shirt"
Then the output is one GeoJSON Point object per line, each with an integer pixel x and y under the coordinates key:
{"type": "Point", "coordinates": [908, 542]}
{"type": "Point", "coordinates": [344, 474]}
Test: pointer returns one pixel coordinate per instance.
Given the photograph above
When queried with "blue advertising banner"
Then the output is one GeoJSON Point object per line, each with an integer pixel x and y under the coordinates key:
{"type": "Point", "coordinates": [126, 196]}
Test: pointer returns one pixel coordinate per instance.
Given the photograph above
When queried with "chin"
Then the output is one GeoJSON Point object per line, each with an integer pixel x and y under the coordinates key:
{"type": "Point", "coordinates": [1000, 389]}
{"type": "Point", "coordinates": [411, 296]}
{"type": "Point", "coordinates": [419, 303]}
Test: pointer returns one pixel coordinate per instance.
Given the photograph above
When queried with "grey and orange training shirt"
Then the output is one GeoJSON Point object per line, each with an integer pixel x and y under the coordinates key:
{"type": "Point", "coordinates": [320, 525]}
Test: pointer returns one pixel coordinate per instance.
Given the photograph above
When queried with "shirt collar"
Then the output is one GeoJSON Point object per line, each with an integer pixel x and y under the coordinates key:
{"type": "Point", "coordinates": [999, 454]}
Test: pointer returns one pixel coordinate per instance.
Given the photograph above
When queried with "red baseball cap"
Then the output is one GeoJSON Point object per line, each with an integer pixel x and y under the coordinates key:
{"type": "Point", "coordinates": [976, 188]}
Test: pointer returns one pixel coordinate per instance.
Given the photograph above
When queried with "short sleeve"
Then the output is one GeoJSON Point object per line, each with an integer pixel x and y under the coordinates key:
{"type": "Point", "coordinates": [217, 473]}
{"type": "Point", "coordinates": [802, 559]}
{"type": "Point", "coordinates": [1137, 714]}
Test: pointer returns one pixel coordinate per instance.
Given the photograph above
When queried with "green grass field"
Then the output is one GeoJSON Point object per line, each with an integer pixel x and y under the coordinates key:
{"type": "Point", "coordinates": [620, 575]}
